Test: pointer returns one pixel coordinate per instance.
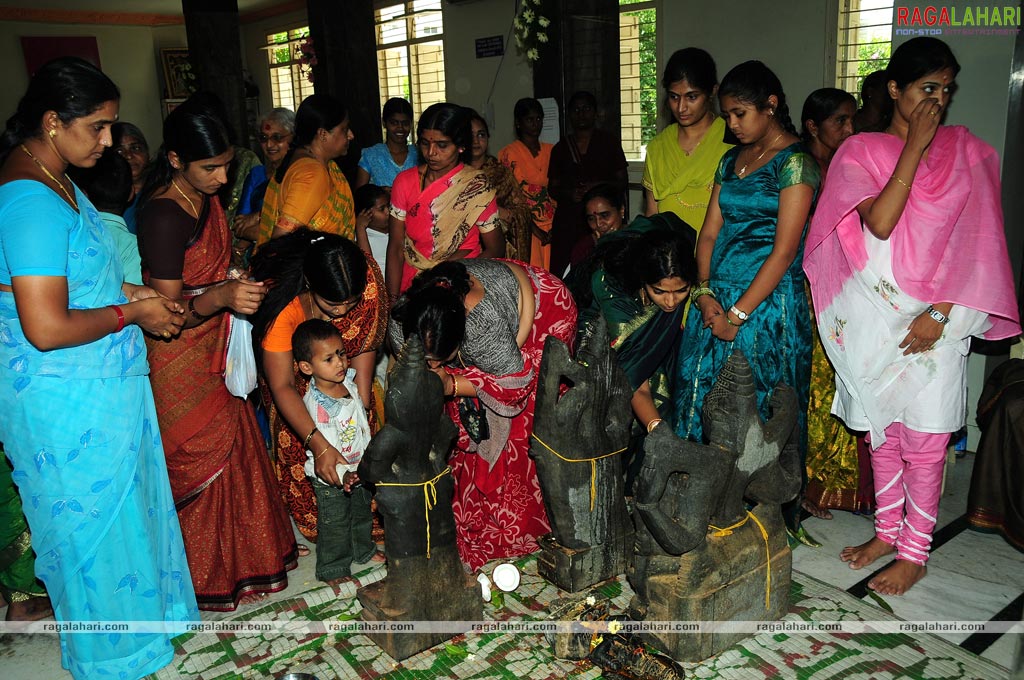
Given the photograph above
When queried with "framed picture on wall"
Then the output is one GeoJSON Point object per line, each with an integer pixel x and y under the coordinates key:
{"type": "Point", "coordinates": [170, 105]}
{"type": "Point", "coordinates": [179, 79]}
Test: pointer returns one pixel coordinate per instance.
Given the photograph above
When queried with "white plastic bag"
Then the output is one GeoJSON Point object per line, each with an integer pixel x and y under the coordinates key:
{"type": "Point", "coordinates": [240, 363]}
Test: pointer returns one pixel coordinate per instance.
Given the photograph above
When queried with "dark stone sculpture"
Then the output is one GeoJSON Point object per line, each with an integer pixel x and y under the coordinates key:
{"type": "Point", "coordinates": [424, 582]}
{"type": "Point", "coordinates": [591, 537]}
{"type": "Point", "coordinates": [700, 556]}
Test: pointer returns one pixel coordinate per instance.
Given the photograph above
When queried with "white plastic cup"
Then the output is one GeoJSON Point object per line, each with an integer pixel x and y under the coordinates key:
{"type": "Point", "coordinates": [506, 577]}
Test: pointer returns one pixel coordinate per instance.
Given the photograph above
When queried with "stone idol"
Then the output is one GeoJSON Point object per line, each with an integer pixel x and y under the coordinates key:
{"type": "Point", "coordinates": [405, 461]}
{"type": "Point", "coordinates": [579, 440]}
{"type": "Point", "coordinates": [702, 556]}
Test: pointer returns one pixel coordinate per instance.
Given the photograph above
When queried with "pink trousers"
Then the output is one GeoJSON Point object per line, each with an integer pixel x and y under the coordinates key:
{"type": "Point", "coordinates": [908, 481]}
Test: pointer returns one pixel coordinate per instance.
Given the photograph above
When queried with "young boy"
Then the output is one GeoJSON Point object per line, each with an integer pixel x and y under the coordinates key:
{"type": "Point", "coordinates": [108, 185]}
{"type": "Point", "coordinates": [344, 520]}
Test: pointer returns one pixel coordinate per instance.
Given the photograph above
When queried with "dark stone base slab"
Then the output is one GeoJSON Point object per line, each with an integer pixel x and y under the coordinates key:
{"type": "Point", "coordinates": [723, 580]}
{"type": "Point", "coordinates": [424, 593]}
{"type": "Point", "coordinates": [575, 570]}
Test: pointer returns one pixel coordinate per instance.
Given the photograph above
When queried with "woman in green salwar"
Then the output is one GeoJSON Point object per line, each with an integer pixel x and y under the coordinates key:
{"type": "Point", "coordinates": [838, 464]}
{"type": "Point", "coordinates": [640, 279]}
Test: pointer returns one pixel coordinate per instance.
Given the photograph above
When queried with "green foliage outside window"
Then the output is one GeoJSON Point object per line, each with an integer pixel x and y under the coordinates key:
{"type": "Point", "coordinates": [648, 75]}
{"type": "Point", "coordinates": [872, 57]}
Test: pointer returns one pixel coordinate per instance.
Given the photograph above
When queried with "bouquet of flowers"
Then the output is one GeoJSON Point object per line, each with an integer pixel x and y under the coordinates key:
{"type": "Point", "coordinates": [307, 57]}
{"type": "Point", "coordinates": [184, 75]}
{"type": "Point", "coordinates": [530, 28]}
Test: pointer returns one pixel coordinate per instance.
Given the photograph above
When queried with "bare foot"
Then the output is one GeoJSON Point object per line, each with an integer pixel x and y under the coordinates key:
{"type": "Point", "coordinates": [816, 510]}
{"type": "Point", "coordinates": [335, 581]}
{"type": "Point", "coordinates": [378, 557]}
{"type": "Point", "coordinates": [303, 550]}
{"type": "Point", "coordinates": [253, 598]}
{"type": "Point", "coordinates": [898, 579]}
{"type": "Point", "coordinates": [32, 609]}
{"type": "Point", "coordinates": [860, 556]}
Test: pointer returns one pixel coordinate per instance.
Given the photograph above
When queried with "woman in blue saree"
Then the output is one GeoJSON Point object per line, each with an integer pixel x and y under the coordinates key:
{"type": "Point", "coordinates": [79, 422]}
{"type": "Point", "coordinates": [751, 296]}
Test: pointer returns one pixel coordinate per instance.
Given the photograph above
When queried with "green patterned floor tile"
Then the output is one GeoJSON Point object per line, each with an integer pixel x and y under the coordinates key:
{"type": "Point", "coordinates": [501, 656]}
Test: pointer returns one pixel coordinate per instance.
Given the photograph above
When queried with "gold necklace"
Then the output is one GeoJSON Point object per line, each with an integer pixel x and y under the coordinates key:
{"type": "Point", "coordinates": [739, 173]}
{"type": "Point", "coordinates": [699, 141]}
{"type": "Point", "coordinates": [71, 199]}
{"type": "Point", "coordinates": [182, 194]}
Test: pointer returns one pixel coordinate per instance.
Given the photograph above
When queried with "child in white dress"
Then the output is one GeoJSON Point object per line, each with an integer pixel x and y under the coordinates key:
{"type": "Point", "coordinates": [344, 521]}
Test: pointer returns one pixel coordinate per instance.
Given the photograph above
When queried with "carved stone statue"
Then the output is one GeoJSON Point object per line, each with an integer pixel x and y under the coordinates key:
{"type": "Point", "coordinates": [578, 445]}
{"type": "Point", "coordinates": [426, 580]}
{"type": "Point", "coordinates": [701, 555]}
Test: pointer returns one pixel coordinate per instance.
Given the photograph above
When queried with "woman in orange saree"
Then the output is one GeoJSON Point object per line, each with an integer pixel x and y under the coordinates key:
{"type": "Point", "coordinates": [316, 276]}
{"type": "Point", "coordinates": [529, 158]}
{"type": "Point", "coordinates": [308, 189]}
{"type": "Point", "coordinates": [237, 536]}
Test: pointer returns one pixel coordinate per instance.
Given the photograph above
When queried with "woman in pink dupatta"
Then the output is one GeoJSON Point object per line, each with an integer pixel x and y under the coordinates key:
{"type": "Point", "coordinates": [906, 258]}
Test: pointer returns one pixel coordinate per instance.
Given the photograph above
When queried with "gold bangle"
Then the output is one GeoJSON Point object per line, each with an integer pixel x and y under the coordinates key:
{"type": "Point", "coordinates": [653, 424]}
{"type": "Point", "coordinates": [309, 437]}
{"type": "Point", "coordinates": [455, 385]}
{"type": "Point", "coordinates": [900, 181]}
{"type": "Point", "coordinates": [329, 447]}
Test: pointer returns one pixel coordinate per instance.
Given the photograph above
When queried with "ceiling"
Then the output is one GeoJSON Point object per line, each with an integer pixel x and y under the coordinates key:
{"type": "Point", "coordinates": [170, 7]}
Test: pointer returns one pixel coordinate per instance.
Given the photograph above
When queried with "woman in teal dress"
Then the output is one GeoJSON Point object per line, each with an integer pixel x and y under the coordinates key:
{"type": "Point", "coordinates": [79, 423]}
{"type": "Point", "coordinates": [751, 296]}
{"type": "Point", "coordinates": [637, 280]}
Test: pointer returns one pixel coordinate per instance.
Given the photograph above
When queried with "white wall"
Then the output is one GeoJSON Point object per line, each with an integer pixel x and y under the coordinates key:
{"type": "Point", "coordinates": [789, 37]}
{"type": "Point", "coordinates": [490, 85]}
{"type": "Point", "coordinates": [128, 54]}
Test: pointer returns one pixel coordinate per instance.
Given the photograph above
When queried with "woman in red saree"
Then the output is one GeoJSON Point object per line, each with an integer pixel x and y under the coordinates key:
{"type": "Point", "coordinates": [483, 324]}
{"type": "Point", "coordinates": [237, 536]}
{"type": "Point", "coordinates": [315, 276]}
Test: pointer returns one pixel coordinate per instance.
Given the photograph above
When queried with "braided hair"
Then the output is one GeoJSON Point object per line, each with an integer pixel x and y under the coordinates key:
{"type": "Point", "coordinates": [753, 83]}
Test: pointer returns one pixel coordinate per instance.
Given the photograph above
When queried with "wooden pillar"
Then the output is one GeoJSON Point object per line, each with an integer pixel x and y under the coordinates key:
{"type": "Point", "coordinates": [215, 51]}
{"type": "Point", "coordinates": [584, 56]}
{"type": "Point", "coordinates": [346, 51]}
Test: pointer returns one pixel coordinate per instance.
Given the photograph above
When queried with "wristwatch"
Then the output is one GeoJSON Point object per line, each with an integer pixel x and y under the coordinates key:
{"type": "Point", "coordinates": [741, 315]}
{"type": "Point", "coordinates": [937, 315]}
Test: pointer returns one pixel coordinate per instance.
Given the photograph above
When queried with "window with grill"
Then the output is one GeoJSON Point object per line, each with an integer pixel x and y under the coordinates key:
{"type": "Point", "coordinates": [289, 76]}
{"type": "Point", "coordinates": [864, 41]}
{"type": "Point", "coordinates": [410, 52]}
{"type": "Point", "coordinates": [638, 70]}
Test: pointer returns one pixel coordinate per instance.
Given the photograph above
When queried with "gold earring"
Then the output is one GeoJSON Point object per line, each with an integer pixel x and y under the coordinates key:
{"type": "Point", "coordinates": [53, 133]}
